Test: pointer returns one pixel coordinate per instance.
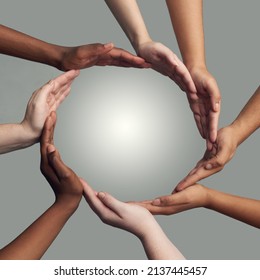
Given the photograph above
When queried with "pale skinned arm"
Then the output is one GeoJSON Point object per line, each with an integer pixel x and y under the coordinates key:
{"type": "Point", "coordinates": [161, 58]}
{"type": "Point", "coordinates": [228, 139]}
{"type": "Point", "coordinates": [36, 239]}
{"type": "Point", "coordinates": [41, 104]}
{"type": "Point", "coordinates": [243, 209]}
{"type": "Point", "coordinates": [187, 21]}
{"type": "Point", "coordinates": [134, 219]}
{"type": "Point", "coordinates": [18, 44]}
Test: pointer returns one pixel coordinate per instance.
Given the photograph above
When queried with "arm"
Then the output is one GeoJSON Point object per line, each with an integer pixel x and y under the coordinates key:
{"type": "Point", "coordinates": [42, 103]}
{"type": "Point", "coordinates": [36, 239]}
{"type": "Point", "coordinates": [228, 139]}
{"type": "Point", "coordinates": [20, 45]}
{"type": "Point", "coordinates": [134, 219]}
{"type": "Point", "coordinates": [248, 119]}
{"type": "Point", "coordinates": [161, 58]}
{"type": "Point", "coordinates": [243, 209]}
{"type": "Point", "coordinates": [187, 21]}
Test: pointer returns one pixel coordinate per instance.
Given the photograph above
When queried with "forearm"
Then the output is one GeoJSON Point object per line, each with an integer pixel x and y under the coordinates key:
{"type": "Point", "coordinates": [129, 17]}
{"type": "Point", "coordinates": [157, 246]}
{"type": "Point", "coordinates": [187, 21]}
{"type": "Point", "coordinates": [15, 137]}
{"type": "Point", "coordinates": [249, 118]}
{"type": "Point", "coordinates": [243, 209]}
{"type": "Point", "coordinates": [20, 45]}
{"type": "Point", "coordinates": [37, 238]}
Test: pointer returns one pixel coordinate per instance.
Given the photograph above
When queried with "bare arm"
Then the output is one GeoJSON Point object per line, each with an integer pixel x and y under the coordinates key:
{"type": "Point", "coordinates": [187, 21]}
{"type": "Point", "coordinates": [228, 139]}
{"type": "Point", "coordinates": [248, 119]}
{"type": "Point", "coordinates": [64, 58]}
{"type": "Point", "coordinates": [36, 239]}
{"type": "Point", "coordinates": [161, 58]}
{"type": "Point", "coordinates": [134, 219]}
{"type": "Point", "coordinates": [243, 209]}
{"type": "Point", "coordinates": [20, 45]}
{"type": "Point", "coordinates": [41, 104]}
{"type": "Point", "coordinates": [129, 17]}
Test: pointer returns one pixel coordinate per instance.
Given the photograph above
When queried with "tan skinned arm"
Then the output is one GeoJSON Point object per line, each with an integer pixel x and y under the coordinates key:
{"type": "Point", "coordinates": [246, 210]}
{"type": "Point", "coordinates": [36, 239]}
{"type": "Point", "coordinates": [18, 44]}
{"type": "Point", "coordinates": [187, 21]}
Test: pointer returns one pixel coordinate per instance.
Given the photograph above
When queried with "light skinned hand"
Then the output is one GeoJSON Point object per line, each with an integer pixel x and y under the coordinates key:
{"type": "Point", "coordinates": [192, 197]}
{"type": "Point", "coordinates": [45, 100]}
{"type": "Point", "coordinates": [65, 183]}
{"type": "Point", "coordinates": [205, 105]}
{"type": "Point", "coordinates": [111, 211]}
{"type": "Point", "coordinates": [101, 55]}
{"type": "Point", "coordinates": [213, 161]}
{"type": "Point", "coordinates": [164, 61]}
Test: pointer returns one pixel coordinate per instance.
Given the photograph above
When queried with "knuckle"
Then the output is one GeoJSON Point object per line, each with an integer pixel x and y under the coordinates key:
{"type": "Point", "coordinates": [67, 175]}
{"type": "Point", "coordinates": [220, 163]}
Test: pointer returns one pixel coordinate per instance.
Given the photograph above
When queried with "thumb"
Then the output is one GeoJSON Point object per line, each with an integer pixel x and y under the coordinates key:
{"type": "Point", "coordinates": [99, 49]}
{"type": "Point", "coordinates": [168, 200]}
{"type": "Point", "coordinates": [111, 202]}
{"type": "Point", "coordinates": [61, 170]}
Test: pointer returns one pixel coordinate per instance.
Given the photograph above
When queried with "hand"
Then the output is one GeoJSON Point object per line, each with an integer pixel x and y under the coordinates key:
{"type": "Point", "coordinates": [213, 161]}
{"type": "Point", "coordinates": [65, 183]}
{"type": "Point", "coordinates": [192, 197]}
{"type": "Point", "coordinates": [133, 218]}
{"type": "Point", "coordinates": [98, 54]}
{"type": "Point", "coordinates": [205, 105]}
{"type": "Point", "coordinates": [164, 61]}
{"type": "Point", "coordinates": [44, 101]}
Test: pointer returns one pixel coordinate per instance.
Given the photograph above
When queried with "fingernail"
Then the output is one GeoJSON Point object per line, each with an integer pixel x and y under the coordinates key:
{"type": "Point", "coordinates": [50, 149]}
{"type": "Point", "coordinates": [156, 202]}
{"type": "Point", "coordinates": [216, 106]}
{"type": "Point", "coordinates": [108, 45]}
{"type": "Point", "coordinates": [101, 195]}
{"type": "Point", "coordinates": [208, 166]}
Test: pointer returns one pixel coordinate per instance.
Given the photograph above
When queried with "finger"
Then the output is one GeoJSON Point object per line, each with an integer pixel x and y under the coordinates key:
{"type": "Point", "coordinates": [207, 169]}
{"type": "Point", "coordinates": [112, 203]}
{"type": "Point", "coordinates": [213, 124]}
{"type": "Point", "coordinates": [64, 79]}
{"type": "Point", "coordinates": [55, 103]}
{"type": "Point", "coordinates": [213, 91]}
{"type": "Point", "coordinates": [48, 129]}
{"type": "Point", "coordinates": [54, 159]}
{"type": "Point", "coordinates": [178, 81]}
{"type": "Point", "coordinates": [96, 204]}
{"type": "Point", "coordinates": [157, 210]}
{"type": "Point", "coordinates": [98, 49]}
{"type": "Point", "coordinates": [126, 59]}
{"type": "Point", "coordinates": [169, 200]}
{"type": "Point", "coordinates": [184, 74]}
{"type": "Point", "coordinates": [198, 122]}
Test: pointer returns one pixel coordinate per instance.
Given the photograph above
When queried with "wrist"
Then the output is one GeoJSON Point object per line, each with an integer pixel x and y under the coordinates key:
{"type": "Point", "coordinates": [209, 195]}
{"type": "Point", "coordinates": [193, 66]}
{"type": "Point", "coordinates": [149, 231]}
{"type": "Point", "coordinates": [235, 132]}
{"type": "Point", "coordinates": [69, 203]}
{"type": "Point", "coordinates": [56, 56]}
{"type": "Point", "coordinates": [28, 135]}
{"type": "Point", "coordinates": [139, 40]}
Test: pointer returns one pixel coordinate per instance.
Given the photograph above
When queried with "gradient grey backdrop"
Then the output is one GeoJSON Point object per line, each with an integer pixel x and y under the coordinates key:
{"type": "Point", "coordinates": [130, 131]}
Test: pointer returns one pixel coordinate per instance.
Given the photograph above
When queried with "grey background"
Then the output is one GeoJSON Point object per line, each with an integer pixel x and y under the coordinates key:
{"type": "Point", "coordinates": [164, 142]}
